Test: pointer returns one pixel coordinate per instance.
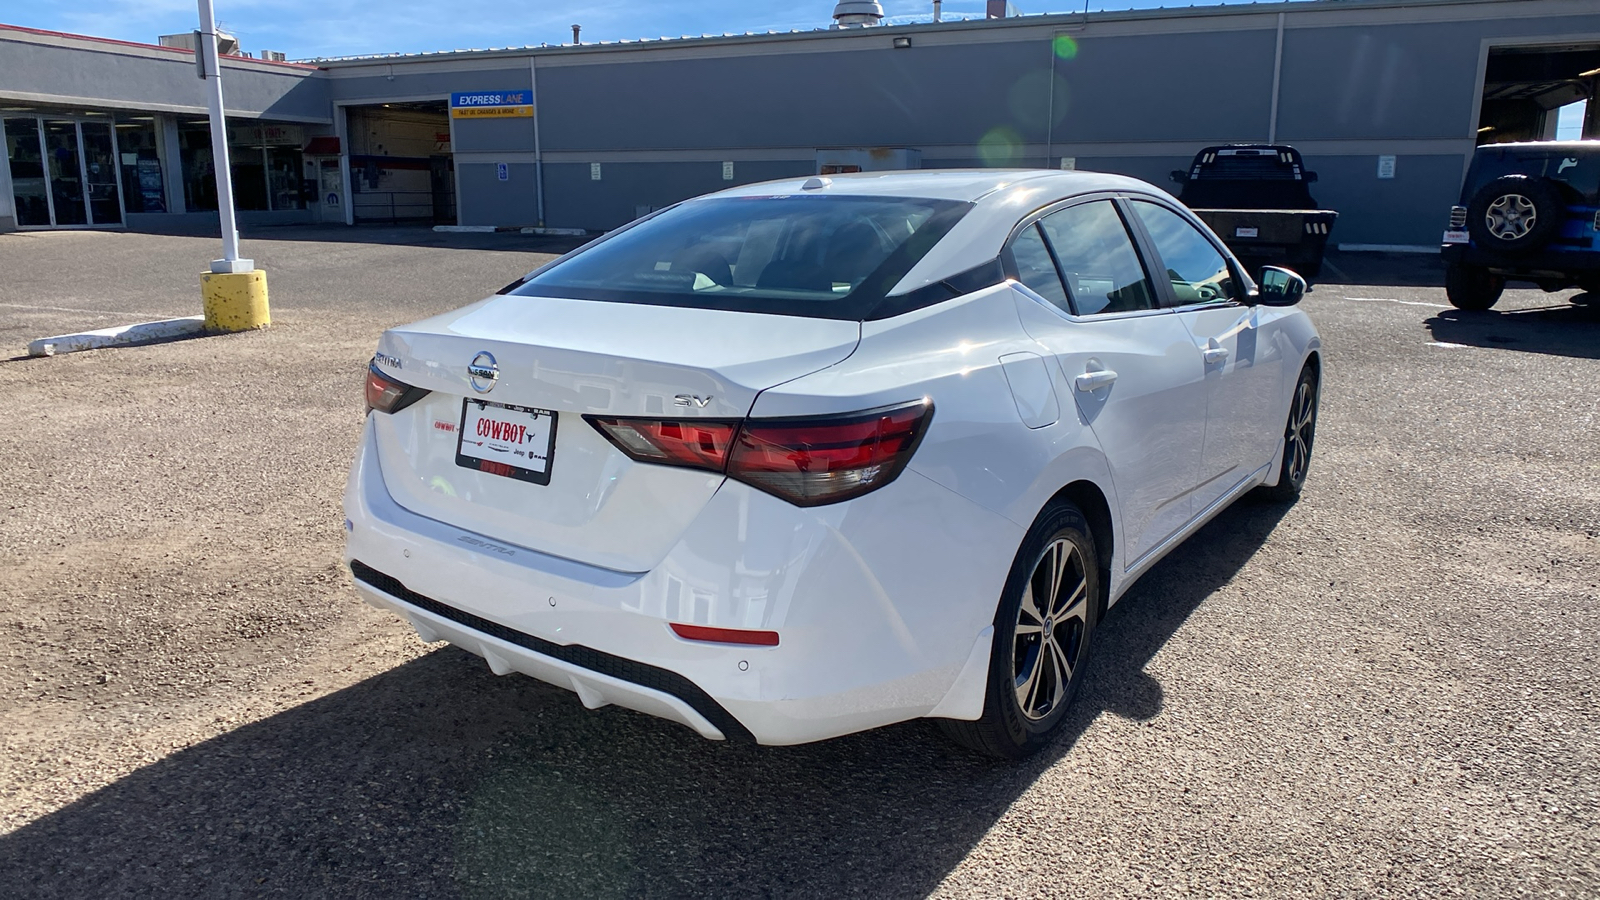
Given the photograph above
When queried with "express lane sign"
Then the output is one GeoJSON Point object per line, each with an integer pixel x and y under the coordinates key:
{"type": "Point", "coordinates": [492, 105]}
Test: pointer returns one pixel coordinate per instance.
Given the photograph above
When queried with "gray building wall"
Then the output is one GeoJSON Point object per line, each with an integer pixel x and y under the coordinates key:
{"type": "Point", "coordinates": [1134, 92]}
{"type": "Point", "coordinates": [68, 71]}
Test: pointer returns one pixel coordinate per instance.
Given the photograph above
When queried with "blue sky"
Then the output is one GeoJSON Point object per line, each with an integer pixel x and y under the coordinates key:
{"type": "Point", "coordinates": [308, 28]}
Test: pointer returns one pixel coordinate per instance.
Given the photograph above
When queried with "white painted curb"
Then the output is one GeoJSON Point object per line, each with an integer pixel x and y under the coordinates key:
{"type": "Point", "coordinates": [459, 229]}
{"type": "Point", "coordinates": [116, 337]}
{"type": "Point", "coordinates": [570, 232]}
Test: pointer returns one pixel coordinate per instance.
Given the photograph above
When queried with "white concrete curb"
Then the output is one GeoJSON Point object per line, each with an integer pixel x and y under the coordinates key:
{"type": "Point", "coordinates": [571, 232]}
{"type": "Point", "coordinates": [459, 229]}
{"type": "Point", "coordinates": [116, 337]}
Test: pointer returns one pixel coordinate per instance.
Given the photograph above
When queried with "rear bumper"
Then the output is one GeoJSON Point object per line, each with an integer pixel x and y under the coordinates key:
{"type": "Point", "coordinates": [881, 604]}
{"type": "Point", "coordinates": [1541, 262]}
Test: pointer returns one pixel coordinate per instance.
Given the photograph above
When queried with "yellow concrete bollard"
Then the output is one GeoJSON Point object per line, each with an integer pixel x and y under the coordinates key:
{"type": "Point", "coordinates": [235, 302]}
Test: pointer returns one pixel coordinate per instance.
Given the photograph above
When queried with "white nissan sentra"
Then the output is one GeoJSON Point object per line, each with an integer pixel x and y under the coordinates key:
{"type": "Point", "coordinates": [808, 457]}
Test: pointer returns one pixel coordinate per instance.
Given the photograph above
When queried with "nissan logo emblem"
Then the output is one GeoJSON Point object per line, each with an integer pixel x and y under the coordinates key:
{"type": "Point", "coordinates": [482, 372]}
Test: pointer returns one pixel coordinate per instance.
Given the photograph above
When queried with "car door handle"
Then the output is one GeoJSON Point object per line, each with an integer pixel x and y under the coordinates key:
{"type": "Point", "coordinates": [1214, 355]}
{"type": "Point", "coordinates": [1090, 382]}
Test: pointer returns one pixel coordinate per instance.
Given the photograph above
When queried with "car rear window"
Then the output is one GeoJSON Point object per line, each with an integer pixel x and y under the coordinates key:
{"type": "Point", "coordinates": [824, 256]}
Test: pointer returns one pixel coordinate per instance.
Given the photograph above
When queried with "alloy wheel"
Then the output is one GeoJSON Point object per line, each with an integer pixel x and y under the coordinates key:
{"type": "Point", "coordinates": [1052, 622]}
{"type": "Point", "coordinates": [1511, 217]}
{"type": "Point", "coordinates": [1302, 425]}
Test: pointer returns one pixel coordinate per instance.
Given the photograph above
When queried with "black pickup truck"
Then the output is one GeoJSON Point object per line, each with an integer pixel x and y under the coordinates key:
{"type": "Point", "coordinates": [1255, 197]}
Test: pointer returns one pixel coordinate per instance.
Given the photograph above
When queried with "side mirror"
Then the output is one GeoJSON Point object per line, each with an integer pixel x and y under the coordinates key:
{"type": "Point", "coordinates": [1280, 287]}
{"type": "Point", "coordinates": [1310, 177]}
{"type": "Point", "coordinates": [1179, 176]}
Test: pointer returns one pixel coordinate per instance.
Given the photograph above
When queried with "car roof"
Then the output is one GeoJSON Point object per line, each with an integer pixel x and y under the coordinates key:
{"type": "Point", "coordinates": [968, 185]}
{"type": "Point", "coordinates": [1000, 198]}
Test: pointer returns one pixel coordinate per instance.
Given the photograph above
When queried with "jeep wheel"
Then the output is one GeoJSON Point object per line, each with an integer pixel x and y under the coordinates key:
{"type": "Point", "coordinates": [1472, 287]}
{"type": "Point", "coordinates": [1515, 213]}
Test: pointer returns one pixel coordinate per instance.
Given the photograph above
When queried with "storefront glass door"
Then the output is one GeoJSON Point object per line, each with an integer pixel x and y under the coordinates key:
{"type": "Point", "coordinates": [100, 173]}
{"type": "Point", "coordinates": [66, 172]}
{"type": "Point", "coordinates": [25, 155]}
{"type": "Point", "coordinates": [63, 172]}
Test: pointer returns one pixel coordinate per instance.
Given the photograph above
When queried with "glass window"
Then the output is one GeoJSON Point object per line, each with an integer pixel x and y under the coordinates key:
{"type": "Point", "coordinates": [827, 256]}
{"type": "Point", "coordinates": [27, 172]}
{"type": "Point", "coordinates": [1036, 269]}
{"type": "Point", "coordinates": [144, 187]}
{"type": "Point", "coordinates": [265, 160]}
{"type": "Point", "coordinates": [1101, 268]}
{"type": "Point", "coordinates": [1198, 272]}
{"type": "Point", "coordinates": [199, 173]}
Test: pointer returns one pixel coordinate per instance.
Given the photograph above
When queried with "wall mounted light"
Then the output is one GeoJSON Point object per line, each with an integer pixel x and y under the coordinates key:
{"type": "Point", "coordinates": [901, 43]}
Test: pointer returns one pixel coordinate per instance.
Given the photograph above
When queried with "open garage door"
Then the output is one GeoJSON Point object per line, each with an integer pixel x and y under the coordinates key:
{"type": "Point", "coordinates": [1526, 90]}
{"type": "Point", "coordinates": [401, 168]}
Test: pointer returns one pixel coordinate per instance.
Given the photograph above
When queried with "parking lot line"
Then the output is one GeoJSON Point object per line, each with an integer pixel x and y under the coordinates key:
{"type": "Point", "coordinates": [97, 312]}
{"type": "Point", "coordinates": [1404, 302]}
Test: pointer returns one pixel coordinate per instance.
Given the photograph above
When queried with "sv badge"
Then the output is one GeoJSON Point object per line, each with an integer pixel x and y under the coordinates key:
{"type": "Point", "coordinates": [691, 400]}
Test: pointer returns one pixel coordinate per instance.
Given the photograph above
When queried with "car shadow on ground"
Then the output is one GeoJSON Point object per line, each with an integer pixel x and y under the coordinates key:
{"type": "Point", "coordinates": [1380, 269]}
{"type": "Point", "coordinates": [438, 779]}
{"type": "Point", "coordinates": [1567, 329]}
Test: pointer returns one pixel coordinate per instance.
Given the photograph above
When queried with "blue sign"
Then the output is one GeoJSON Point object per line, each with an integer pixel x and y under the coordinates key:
{"type": "Point", "coordinates": [490, 98]}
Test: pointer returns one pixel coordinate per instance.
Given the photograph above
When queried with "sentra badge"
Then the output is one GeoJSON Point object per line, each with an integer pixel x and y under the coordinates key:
{"type": "Point", "coordinates": [483, 372]}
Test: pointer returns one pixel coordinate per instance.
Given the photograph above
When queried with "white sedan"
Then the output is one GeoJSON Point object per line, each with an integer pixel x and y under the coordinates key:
{"type": "Point", "coordinates": [808, 457]}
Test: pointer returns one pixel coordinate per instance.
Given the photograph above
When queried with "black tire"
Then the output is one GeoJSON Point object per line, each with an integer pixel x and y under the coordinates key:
{"type": "Point", "coordinates": [1299, 431]}
{"type": "Point", "coordinates": [1515, 213]}
{"type": "Point", "coordinates": [1472, 287]}
{"type": "Point", "coordinates": [1008, 729]}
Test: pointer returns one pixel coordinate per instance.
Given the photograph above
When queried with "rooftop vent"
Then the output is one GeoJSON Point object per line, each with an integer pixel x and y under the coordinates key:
{"type": "Point", "coordinates": [227, 44]}
{"type": "Point", "coordinates": [857, 13]}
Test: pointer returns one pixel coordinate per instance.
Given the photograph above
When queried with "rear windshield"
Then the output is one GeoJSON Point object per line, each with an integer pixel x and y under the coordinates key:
{"type": "Point", "coordinates": [831, 257]}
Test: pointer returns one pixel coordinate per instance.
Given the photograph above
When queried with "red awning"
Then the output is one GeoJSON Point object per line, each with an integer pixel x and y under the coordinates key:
{"type": "Point", "coordinates": [326, 145]}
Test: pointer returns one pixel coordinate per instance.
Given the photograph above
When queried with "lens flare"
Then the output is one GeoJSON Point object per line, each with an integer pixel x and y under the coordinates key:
{"type": "Point", "coordinates": [1001, 146]}
{"type": "Point", "coordinates": [1065, 46]}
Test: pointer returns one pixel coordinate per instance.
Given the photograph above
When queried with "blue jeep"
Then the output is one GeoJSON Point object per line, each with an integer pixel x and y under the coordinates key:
{"type": "Point", "coordinates": [1529, 212]}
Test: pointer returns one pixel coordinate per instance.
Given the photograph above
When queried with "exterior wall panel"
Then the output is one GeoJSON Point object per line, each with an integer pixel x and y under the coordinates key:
{"type": "Point", "coordinates": [374, 84]}
{"type": "Point", "coordinates": [1208, 87]}
{"type": "Point", "coordinates": [132, 80]}
{"type": "Point", "coordinates": [573, 199]}
{"type": "Point", "coordinates": [1410, 209]}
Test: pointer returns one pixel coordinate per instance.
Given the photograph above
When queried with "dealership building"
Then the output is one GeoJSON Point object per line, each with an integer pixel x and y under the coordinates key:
{"type": "Point", "coordinates": [1386, 100]}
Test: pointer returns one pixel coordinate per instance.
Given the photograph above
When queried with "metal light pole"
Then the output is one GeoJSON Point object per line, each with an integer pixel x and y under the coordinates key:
{"type": "Point", "coordinates": [234, 292]}
{"type": "Point", "coordinates": [212, 73]}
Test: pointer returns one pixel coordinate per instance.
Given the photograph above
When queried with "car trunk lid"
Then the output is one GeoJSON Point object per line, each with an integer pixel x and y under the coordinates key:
{"type": "Point", "coordinates": [472, 453]}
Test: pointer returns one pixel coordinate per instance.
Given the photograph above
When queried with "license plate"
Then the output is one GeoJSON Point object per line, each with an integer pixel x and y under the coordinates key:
{"type": "Point", "coordinates": [1247, 231]}
{"type": "Point", "coordinates": [515, 441]}
{"type": "Point", "coordinates": [1456, 237]}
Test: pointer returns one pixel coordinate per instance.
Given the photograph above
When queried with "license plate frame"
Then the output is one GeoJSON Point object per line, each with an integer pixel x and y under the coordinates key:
{"type": "Point", "coordinates": [528, 421]}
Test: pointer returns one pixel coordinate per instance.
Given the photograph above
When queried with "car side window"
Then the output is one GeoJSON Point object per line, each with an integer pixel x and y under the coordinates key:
{"type": "Point", "coordinates": [1102, 270]}
{"type": "Point", "coordinates": [1198, 272]}
{"type": "Point", "coordinates": [1036, 269]}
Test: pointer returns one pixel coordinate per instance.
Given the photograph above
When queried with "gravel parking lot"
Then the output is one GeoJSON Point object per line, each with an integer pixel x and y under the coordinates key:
{"type": "Point", "coordinates": [1387, 689]}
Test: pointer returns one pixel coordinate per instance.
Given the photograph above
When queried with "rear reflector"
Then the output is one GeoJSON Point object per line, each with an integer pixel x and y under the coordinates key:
{"type": "Point", "coordinates": [725, 635]}
{"type": "Point", "coordinates": [386, 395]}
{"type": "Point", "coordinates": [807, 461]}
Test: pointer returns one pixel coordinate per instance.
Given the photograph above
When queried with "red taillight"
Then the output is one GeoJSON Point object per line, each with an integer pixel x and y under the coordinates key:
{"type": "Point", "coordinates": [386, 395]}
{"type": "Point", "coordinates": [820, 460]}
{"type": "Point", "coordinates": [725, 635]}
{"type": "Point", "coordinates": [807, 461]}
{"type": "Point", "coordinates": [698, 444]}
